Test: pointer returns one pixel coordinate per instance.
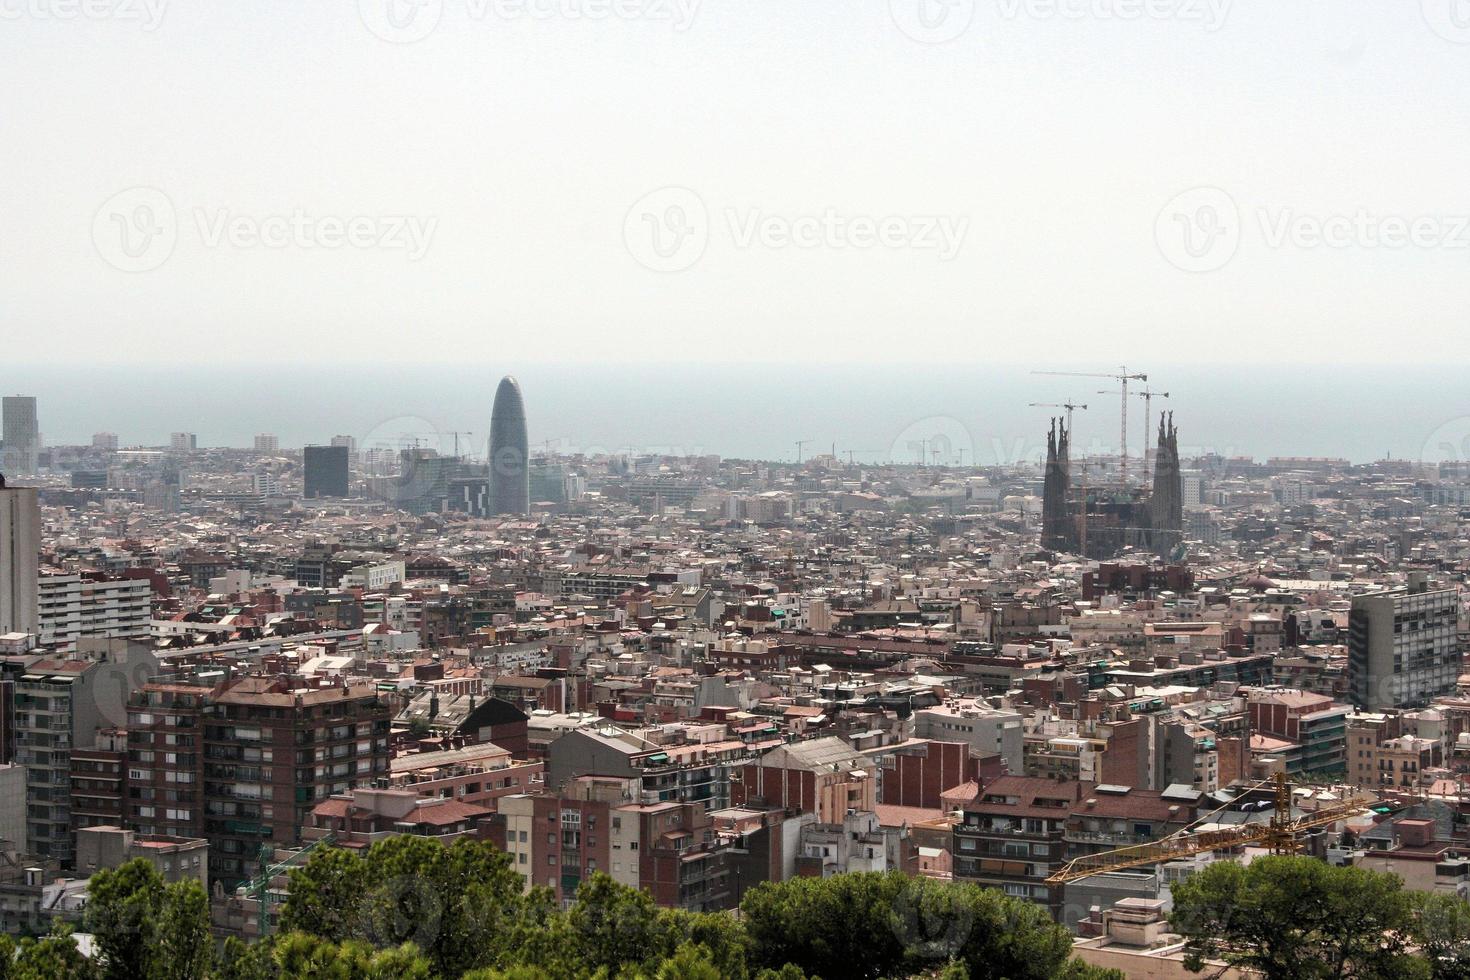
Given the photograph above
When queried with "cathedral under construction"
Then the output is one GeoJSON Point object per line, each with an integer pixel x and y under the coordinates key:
{"type": "Point", "coordinates": [1101, 522]}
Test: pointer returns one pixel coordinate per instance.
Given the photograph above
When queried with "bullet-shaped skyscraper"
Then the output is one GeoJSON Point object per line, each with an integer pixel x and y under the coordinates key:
{"type": "Point", "coordinates": [510, 474]}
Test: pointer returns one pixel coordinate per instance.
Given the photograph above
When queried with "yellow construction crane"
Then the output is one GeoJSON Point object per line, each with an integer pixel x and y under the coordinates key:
{"type": "Point", "coordinates": [1280, 835]}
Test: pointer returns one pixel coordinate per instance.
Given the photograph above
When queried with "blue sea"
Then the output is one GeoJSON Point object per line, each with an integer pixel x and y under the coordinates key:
{"type": "Point", "coordinates": [943, 413]}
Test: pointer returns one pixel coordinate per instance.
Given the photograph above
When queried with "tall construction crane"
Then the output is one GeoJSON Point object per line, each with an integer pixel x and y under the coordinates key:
{"type": "Point", "coordinates": [1148, 414]}
{"type": "Point", "coordinates": [456, 435]}
{"type": "Point", "coordinates": [259, 886]}
{"type": "Point", "coordinates": [1280, 835]}
{"type": "Point", "coordinates": [1148, 421]}
{"type": "Point", "coordinates": [1067, 405]}
{"type": "Point", "coordinates": [801, 444]}
{"type": "Point", "coordinates": [1122, 378]}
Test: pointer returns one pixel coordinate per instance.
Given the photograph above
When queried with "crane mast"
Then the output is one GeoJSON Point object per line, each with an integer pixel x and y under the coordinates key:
{"type": "Point", "coordinates": [1123, 377]}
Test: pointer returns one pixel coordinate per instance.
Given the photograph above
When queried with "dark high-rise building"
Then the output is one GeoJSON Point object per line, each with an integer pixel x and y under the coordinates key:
{"type": "Point", "coordinates": [326, 471]}
{"type": "Point", "coordinates": [21, 434]}
{"type": "Point", "coordinates": [510, 474]}
{"type": "Point", "coordinates": [549, 483]}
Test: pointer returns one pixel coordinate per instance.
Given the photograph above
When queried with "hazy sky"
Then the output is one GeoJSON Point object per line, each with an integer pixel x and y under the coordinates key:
{"type": "Point", "coordinates": [513, 181]}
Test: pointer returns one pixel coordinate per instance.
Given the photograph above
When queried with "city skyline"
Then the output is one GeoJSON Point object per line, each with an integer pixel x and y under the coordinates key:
{"type": "Point", "coordinates": [576, 489]}
{"type": "Point", "coordinates": [876, 412]}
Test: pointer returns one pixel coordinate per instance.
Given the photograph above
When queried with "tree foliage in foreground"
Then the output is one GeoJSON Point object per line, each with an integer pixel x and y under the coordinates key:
{"type": "Point", "coordinates": [412, 909]}
{"type": "Point", "coordinates": [1297, 918]}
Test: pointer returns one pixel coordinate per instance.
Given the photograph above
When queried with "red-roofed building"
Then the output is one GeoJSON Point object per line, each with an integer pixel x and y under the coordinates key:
{"type": "Point", "coordinates": [363, 816]}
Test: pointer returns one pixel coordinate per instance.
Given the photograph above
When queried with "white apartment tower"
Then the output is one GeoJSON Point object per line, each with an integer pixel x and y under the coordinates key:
{"type": "Point", "coordinates": [1402, 646]}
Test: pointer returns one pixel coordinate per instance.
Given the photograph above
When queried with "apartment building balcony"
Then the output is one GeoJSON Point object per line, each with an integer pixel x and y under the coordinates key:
{"type": "Point", "coordinates": [1108, 838]}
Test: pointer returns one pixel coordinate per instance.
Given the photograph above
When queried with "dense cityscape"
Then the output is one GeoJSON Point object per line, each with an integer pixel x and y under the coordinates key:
{"type": "Point", "coordinates": [722, 490]}
{"type": "Point", "coordinates": [1080, 682]}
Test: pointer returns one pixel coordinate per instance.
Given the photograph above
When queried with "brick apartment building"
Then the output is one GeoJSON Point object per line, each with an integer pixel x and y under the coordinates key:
{"type": "Point", "coordinates": [243, 762]}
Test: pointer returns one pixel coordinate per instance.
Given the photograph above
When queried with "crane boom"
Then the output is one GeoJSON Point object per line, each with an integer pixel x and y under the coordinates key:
{"type": "Point", "coordinates": [1069, 406]}
{"type": "Point", "coordinates": [1122, 378]}
{"type": "Point", "coordinates": [1280, 835]}
{"type": "Point", "coordinates": [259, 887]}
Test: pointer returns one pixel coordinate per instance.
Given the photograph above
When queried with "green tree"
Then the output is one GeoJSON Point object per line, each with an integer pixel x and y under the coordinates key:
{"type": "Point", "coordinates": [880, 925]}
{"type": "Point", "coordinates": [1296, 918]}
{"type": "Point", "coordinates": [146, 929]}
{"type": "Point", "coordinates": [614, 926]}
{"type": "Point", "coordinates": [840, 926]}
{"type": "Point", "coordinates": [788, 972]}
{"type": "Point", "coordinates": [690, 961]}
{"type": "Point", "coordinates": [461, 905]}
{"type": "Point", "coordinates": [509, 973]}
{"type": "Point", "coordinates": [184, 949]}
{"type": "Point", "coordinates": [325, 894]}
{"type": "Point", "coordinates": [237, 960]}
{"type": "Point", "coordinates": [1442, 930]}
{"type": "Point", "coordinates": [297, 955]}
{"type": "Point", "coordinates": [122, 914]}
{"type": "Point", "coordinates": [723, 935]}
{"type": "Point", "coordinates": [1078, 970]}
{"type": "Point", "coordinates": [51, 957]}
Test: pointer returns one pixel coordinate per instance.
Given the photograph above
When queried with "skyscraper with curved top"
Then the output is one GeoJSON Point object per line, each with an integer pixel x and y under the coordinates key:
{"type": "Point", "coordinates": [510, 473]}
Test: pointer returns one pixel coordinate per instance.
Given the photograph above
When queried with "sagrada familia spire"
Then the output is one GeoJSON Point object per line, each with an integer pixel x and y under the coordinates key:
{"type": "Point", "coordinates": [1058, 526]}
{"type": "Point", "coordinates": [1166, 506]}
{"type": "Point", "coordinates": [1108, 520]}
